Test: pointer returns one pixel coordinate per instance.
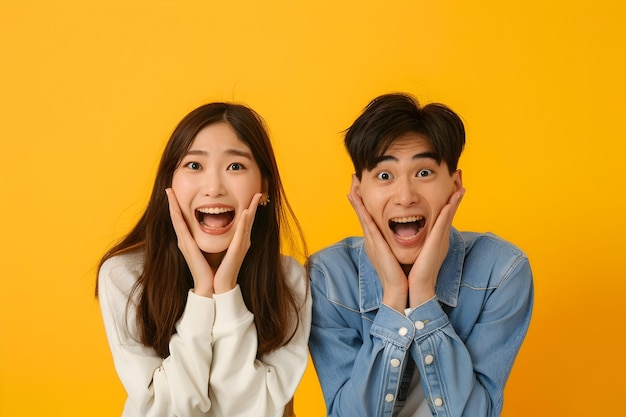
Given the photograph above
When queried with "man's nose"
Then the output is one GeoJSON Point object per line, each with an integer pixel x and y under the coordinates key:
{"type": "Point", "coordinates": [406, 193]}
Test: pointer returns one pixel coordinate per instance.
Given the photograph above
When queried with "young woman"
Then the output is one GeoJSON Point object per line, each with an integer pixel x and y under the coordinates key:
{"type": "Point", "coordinates": [203, 314]}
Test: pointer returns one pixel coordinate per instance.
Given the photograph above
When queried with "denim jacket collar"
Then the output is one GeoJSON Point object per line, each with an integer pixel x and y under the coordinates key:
{"type": "Point", "coordinates": [448, 282]}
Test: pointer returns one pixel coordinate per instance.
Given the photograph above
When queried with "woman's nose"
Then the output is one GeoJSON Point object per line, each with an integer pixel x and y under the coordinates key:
{"type": "Point", "coordinates": [213, 185]}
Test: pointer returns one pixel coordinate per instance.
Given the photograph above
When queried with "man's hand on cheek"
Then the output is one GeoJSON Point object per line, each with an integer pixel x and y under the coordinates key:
{"type": "Point", "coordinates": [392, 278]}
{"type": "Point", "coordinates": [423, 274]}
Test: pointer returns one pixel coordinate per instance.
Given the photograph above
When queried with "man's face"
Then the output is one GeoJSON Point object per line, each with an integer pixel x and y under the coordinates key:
{"type": "Point", "coordinates": [405, 192]}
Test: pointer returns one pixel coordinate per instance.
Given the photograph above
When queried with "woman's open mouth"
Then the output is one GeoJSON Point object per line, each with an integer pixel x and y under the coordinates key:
{"type": "Point", "coordinates": [406, 228]}
{"type": "Point", "coordinates": [215, 217]}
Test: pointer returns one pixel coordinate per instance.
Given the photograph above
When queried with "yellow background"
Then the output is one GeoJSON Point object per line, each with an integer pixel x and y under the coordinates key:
{"type": "Point", "coordinates": [90, 91]}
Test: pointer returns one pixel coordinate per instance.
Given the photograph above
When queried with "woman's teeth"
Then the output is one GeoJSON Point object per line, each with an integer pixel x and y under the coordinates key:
{"type": "Point", "coordinates": [215, 217]}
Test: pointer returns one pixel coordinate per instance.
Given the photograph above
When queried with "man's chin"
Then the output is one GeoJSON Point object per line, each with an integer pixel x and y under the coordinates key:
{"type": "Point", "coordinates": [406, 257]}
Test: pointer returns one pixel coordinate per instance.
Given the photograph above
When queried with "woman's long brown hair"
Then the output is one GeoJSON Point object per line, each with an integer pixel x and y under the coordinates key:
{"type": "Point", "coordinates": [164, 284]}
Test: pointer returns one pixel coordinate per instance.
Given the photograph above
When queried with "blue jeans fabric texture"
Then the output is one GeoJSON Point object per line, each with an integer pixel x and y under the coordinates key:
{"type": "Point", "coordinates": [463, 342]}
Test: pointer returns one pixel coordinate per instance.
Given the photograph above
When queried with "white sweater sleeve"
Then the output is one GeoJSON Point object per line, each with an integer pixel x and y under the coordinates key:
{"type": "Point", "coordinates": [241, 384]}
{"type": "Point", "coordinates": [176, 385]}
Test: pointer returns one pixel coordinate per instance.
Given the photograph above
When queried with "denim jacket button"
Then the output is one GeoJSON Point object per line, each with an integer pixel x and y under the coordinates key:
{"type": "Point", "coordinates": [395, 362]}
{"type": "Point", "coordinates": [389, 398]}
{"type": "Point", "coordinates": [403, 331]}
{"type": "Point", "coordinates": [438, 402]}
{"type": "Point", "coordinates": [429, 359]}
{"type": "Point", "coordinates": [419, 325]}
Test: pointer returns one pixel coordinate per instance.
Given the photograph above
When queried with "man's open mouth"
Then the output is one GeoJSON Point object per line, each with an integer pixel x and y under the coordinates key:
{"type": "Point", "coordinates": [215, 217]}
{"type": "Point", "coordinates": [407, 227]}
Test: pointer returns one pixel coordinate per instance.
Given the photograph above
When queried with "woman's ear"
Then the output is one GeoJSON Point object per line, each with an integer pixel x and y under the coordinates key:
{"type": "Point", "coordinates": [265, 190]}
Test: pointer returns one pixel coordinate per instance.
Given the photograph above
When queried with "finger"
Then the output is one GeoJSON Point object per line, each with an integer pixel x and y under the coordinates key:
{"type": "Point", "coordinates": [436, 246]}
{"type": "Point", "coordinates": [353, 195]}
{"type": "Point", "coordinates": [178, 221]}
{"type": "Point", "coordinates": [251, 213]}
{"type": "Point", "coordinates": [246, 220]}
{"type": "Point", "coordinates": [370, 228]}
{"type": "Point", "coordinates": [446, 216]}
{"type": "Point", "coordinates": [226, 276]}
{"type": "Point", "coordinates": [357, 204]}
{"type": "Point", "coordinates": [456, 197]}
{"type": "Point", "coordinates": [391, 276]}
{"type": "Point", "coordinates": [200, 269]}
{"type": "Point", "coordinates": [375, 244]}
{"type": "Point", "coordinates": [186, 242]}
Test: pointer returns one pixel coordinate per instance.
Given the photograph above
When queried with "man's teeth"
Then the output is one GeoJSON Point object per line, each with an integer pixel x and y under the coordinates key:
{"type": "Point", "coordinates": [214, 210]}
{"type": "Point", "coordinates": [410, 219]}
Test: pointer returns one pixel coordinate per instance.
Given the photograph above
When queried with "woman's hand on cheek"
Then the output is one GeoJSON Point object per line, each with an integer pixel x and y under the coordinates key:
{"type": "Point", "coordinates": [198, 265]}
{"type": "Point", "coordinates": [226, 275]}
{"type": "Point", "coordinates": [392, 278]}
{"type": "Point", "coordinates": [425, 270]}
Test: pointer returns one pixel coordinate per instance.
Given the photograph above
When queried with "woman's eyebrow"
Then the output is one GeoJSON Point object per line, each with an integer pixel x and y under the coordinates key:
{"type": "Point", "coordinates": [196, 152]}
{"type": "Point", "coordinates": [233, 152]}
{"type": "Point", "coordinates": [238, 152]}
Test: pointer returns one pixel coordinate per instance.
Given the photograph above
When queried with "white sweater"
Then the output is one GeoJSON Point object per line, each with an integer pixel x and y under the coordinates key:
{"type": "Point", "coordinates": [212, 369]}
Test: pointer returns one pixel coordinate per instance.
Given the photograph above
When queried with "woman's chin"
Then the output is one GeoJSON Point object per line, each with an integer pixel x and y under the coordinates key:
{"type": "Point", "coordinates": [213, 245]}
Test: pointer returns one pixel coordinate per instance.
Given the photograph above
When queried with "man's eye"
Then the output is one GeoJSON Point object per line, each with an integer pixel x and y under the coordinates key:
{"type": "Point", "coordinates": [194, 166]}
{"type": "Point", "coordinates": [384, 176]}
{"type": "Point", "coordinates": [422, 173]}
{"type": "Point", "coordinates": [235, 166]}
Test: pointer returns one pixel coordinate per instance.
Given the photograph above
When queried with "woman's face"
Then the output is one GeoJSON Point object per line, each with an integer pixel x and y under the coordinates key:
{"type": "Point", "coordinates": [214, 183]}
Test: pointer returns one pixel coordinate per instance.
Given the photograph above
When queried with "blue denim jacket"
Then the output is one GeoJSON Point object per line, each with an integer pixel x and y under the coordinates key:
{"type": "Point", "coordinates": [463, 342]}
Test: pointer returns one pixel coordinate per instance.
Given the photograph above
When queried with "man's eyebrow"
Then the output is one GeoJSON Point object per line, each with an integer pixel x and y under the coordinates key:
{"type": "Point", "coordinates": [422, 155]}
{"type": "Point", "coordinates": [426, 155]}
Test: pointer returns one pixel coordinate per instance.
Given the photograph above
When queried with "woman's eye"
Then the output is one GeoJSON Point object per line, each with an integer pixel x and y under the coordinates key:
{"type": "Point", "coordinates": [384, 176]}
{"type": "Point", "coordinates": [235, 166]}
{"type": "Point", "coordinates": [194, 166]}
{"type": "Point", "coordinates": [422, 173]}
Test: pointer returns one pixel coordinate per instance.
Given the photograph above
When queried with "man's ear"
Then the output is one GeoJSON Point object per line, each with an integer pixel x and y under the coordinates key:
{"type": "Point", "coordinates": [457, 178]}
{"type": "Point", "coordinates": [356, 185]}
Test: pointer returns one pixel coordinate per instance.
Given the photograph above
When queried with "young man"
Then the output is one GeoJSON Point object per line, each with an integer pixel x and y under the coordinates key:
{"type": "Point", "coordinates": [415, 318]}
